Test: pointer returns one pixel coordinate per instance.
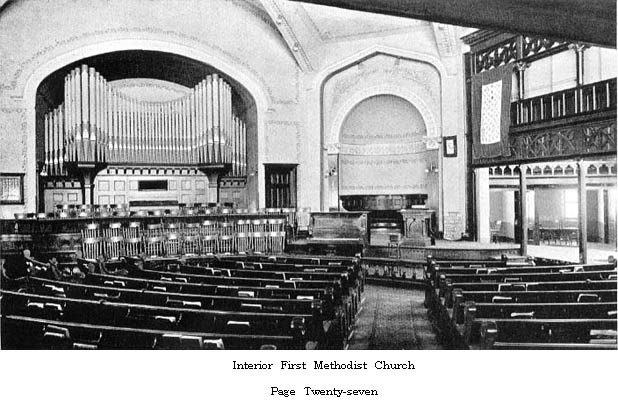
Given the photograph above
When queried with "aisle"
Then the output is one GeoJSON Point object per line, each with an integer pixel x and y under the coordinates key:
{"type": "Point", "coordinates": [393, 319]}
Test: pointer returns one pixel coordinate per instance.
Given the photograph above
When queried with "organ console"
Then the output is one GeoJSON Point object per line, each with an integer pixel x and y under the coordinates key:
{"type": "Point", "coordinates": [96, 125]}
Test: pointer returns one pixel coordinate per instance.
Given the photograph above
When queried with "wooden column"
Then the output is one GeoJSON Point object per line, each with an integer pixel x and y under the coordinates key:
{"type": "Point", "coordinates": [520, 67]}
{"type": "Point", "coordinates": [523, 211]}
{"type": "Point", "coordinates": [600, 216]}
{"type": "Point", "coordinates": [213, 187]}
{"type": "Point", "coordinates": [579, 63]}
{"type": "Point", "coordinates": [482, 205]}
{"type": "Point", "coordinates": [582, 214]}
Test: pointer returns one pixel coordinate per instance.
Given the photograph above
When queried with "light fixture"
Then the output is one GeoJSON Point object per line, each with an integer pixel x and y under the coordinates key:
{"type": "Point", "coordinates": [431, 168]}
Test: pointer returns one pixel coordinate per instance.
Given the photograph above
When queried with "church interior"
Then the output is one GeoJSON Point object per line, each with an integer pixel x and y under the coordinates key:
{"type": "Point", "coordinates": [273, 174]}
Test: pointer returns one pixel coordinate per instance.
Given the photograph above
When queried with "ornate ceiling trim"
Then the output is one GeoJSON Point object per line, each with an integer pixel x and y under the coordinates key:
{"type": "Point", "coordinates": [287, 32]}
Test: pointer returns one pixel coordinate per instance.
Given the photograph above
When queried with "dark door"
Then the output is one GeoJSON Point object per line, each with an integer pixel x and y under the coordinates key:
{"type": "Point", "coordinates": [280, 186]}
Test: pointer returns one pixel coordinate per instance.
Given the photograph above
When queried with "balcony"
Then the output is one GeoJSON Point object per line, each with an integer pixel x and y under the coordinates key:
{"type": "Point", "coordinates": [570, 103]}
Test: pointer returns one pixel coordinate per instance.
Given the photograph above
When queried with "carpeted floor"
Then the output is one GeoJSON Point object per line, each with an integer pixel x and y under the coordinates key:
{"type": "Point", "coordinates": [393, 319]}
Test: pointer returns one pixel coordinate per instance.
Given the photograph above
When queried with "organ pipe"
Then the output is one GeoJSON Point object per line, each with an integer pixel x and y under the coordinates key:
{"type": "Point", "coordinates": [98, 125]}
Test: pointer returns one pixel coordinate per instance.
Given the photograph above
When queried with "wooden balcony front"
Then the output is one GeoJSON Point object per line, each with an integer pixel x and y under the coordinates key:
{"type": "Point", "coordinates": [570, 124]}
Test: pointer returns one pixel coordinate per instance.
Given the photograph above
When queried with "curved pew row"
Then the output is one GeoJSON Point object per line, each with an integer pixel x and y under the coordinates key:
{"type": "Point", "coordinates": [303, 304]}
{"type": "Point", "coordinates": [285, 259]}
{"type": "Point", "coordinates": [326, 320]}
{"type": "Point", "coordinates": [178, 320]}
{"type": "Point", "coordinates": [19, 332]}
{"type": "Point", "coordinates": [527, 286]}
{"type": "Point", "coordinates": [474, 314]}
{"type": "Point", "coordinates": [549, 301]}
{"type": "Point", "coordinates": [598, 339]}
{"type": "Point", "coordinates": [434, 271]}
{"type": "Point", "coordinates": [439, 275]}
{"type": "Point", "coordinates": [548, 334]}
{"type": "Point", "coordinates": [460, 298]}
{"type": "Point", "coordinates": [346, 282]}
{"type": "Point", "coordinates": [449, 282]}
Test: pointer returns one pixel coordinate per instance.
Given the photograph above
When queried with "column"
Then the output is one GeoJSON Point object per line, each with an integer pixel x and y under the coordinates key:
{"type": "Point", "coordinates": [583, 228]}
{"type": "Point", "coordinates": [611, 216]}
{"type": "Point", "coordinates": [600, 216]}
{"type": "Point", "coordinates": [482, 205]}
{"type": "Point", "coordinates": [579, 62]}
{"type": "Point", "coordinates": [508, 213]}
{"type": "Point", "coordinates": [520, 67]}
{"type": "Point", "coordinates": [523, 210]}
{"type": "Point", "coordinates": [213, 187]}
{"type": "Point", "coordinates": [88, 187]}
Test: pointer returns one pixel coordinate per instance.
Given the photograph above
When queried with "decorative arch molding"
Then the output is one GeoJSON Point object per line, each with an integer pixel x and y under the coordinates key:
{"type": "Point", "coordinates": [288, 33]}
{"type": "Point", "coordinates": [370, 52]}
{"type": "Point", "coordinates": [249, 81]}
{"type": "Point", "coordinates": [431, 124]}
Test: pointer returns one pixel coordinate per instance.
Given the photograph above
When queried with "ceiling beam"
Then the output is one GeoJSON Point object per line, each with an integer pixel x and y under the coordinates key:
{"type": "Point", "coordinates": [588, 21]}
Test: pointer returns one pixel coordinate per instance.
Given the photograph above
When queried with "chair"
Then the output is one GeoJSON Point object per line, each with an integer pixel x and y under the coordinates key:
{"type": "Point", "coordinates": [208, 228]}
{"type": "Point", "coordinates": [243, 242]}
{"type": "Point", "coordinates": [275, 225]}
{"type": "Point", "coordinates": [259, 225]}
{"type": "Point", "coordinates": [276, 242]}
{"type": "Point", "coordinates": [191, 229]}
{"type": "Point", "coordinates": [132, 231]}
{"type": "Point", "coordinates": [209, 244]}
{"type": "Point", "coordinates": [114, 230]}
{"type": "Point", "coordinates": [173, 245]}
{"type": "Point", "coordinates": [260, 242]}
{"type": "Point", "coordinates": [226, 244]}
{"type": "Point", "coordinates": [91, 231]}
{"type": "Point", "coordinates": [191, 245]}
{"type": "Point", "coordinates": [133, 246]}
{"type": "Point", "coordinates": [114, 247]}
{"type": "Point", "coordinates": [153, 246]}
{"type": "Point", "coordinates": [226, 229]}
{"type": "Point", "coordinates": [92, 248]}
{"type": "Point", "coordinates": [153, 230]}
{"type": "Point", "coordinates": [243, 226]}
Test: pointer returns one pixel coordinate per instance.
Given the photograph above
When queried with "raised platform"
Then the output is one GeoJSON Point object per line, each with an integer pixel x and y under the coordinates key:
{"type": "Point", "coordinates": [444, 250]}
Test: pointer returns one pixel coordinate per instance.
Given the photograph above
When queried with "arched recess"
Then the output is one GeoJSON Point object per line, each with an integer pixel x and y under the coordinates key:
{"type": "Point", "coordinates": [219, 62]}
{"type": "Point", "coordinates": [431, 123]}
{"type": "Point", "coordinates": [329, 72]}
{"type": "Point", "coordinates": [405, 165]}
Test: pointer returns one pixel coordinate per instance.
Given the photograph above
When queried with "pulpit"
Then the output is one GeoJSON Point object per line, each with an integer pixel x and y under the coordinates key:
{"type": "Point", "coordinates": [418, 225]}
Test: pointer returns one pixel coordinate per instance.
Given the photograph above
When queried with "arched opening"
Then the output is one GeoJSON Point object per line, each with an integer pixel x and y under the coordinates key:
{"type": "Point", "coordinates": [383, 151]}
{"type": "Point", "coordinates": [384, 166]}
{"type": "Point", "coordinates": [153, 78]}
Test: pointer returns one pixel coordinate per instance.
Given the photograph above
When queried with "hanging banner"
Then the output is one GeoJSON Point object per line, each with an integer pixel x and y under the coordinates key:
{"type": "Point", "coordinates": [491, 108]}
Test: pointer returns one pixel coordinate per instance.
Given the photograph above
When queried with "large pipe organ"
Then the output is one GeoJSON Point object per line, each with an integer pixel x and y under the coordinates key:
{"type": "Point", "coordinates": [98, 126]}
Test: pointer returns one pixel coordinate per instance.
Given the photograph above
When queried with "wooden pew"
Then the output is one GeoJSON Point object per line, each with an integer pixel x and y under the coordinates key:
{"type": "Point", "coordinates": [516, 278]}
{"type": "Point", "coordinates": [158, 298]}
{"type": "Point", "coordinates": [180, 320]}
{"type": "Point", "coordinates": [433, 272]}
{"type": "Point", "coordinates": [474, 312]}
{"type": "Point", "coordinates": [527, 286]}
{"type": "Point", "coordinates": [569, 296]}
{"type": "Point", "coordinates": [546, 332]}
{"type": "Point", "coordinates": [305, 260]}
{"type": "Point", "coordinates": [19, 332]}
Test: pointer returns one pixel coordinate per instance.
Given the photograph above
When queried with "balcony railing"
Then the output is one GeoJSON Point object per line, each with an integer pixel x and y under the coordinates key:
{"type": "Point", "coordinates": [590, 98]}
